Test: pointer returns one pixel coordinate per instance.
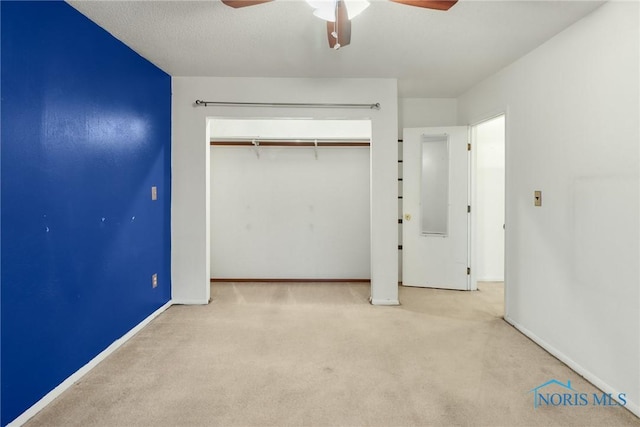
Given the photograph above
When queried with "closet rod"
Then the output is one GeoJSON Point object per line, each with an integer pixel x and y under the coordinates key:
{"type": "Point", "coordinates": [375, 106]}
{"type": "Point", "coordinates": [297, 142]}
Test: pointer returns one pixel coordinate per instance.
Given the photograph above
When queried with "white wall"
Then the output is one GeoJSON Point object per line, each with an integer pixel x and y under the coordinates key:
{"type": "Point", "coordinates": [191, 178]}
{"type": "Point", "coordinates": [573, 280]}
{"type": "Point", "coordinates": [422, 112]}
{"type": "Point", "coordinates": [283, 212]}
{"type": "Point", "coordinates": [488, 150]}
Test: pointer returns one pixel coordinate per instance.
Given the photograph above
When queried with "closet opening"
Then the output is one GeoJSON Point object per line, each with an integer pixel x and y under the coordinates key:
{"type": "Point", "coordinates": [289, 200]}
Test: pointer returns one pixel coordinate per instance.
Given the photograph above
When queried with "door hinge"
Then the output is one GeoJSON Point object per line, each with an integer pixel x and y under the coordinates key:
{"type": "Point", "coordinates": [468, 270]}
{"type": "Point", "coordinates": [468, 208]}
{"type": "Point", "coordinates": [468, 146]}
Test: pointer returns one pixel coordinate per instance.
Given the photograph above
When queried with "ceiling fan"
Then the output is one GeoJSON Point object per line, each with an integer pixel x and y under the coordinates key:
{"type": "Point", "coordinates": [338, 13]}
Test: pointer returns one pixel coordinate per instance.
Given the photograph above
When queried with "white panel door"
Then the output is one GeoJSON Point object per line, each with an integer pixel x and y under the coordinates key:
{"type": "Point", "coordinates": [435, 228]}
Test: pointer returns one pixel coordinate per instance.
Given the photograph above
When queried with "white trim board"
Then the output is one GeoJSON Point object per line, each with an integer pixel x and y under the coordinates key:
{"type": "Point", "coordinates": [77, 375]}
{"type": "Point", "coordinates": [633, 407]}
{"type": "Point", "coordinates": [187, 301]}
{"type": "Point", "coordinates": [384, 301]}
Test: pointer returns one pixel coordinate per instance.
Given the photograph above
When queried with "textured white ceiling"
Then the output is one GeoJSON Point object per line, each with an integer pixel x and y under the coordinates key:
{"type": "Point", "coordinates": [431, 53]}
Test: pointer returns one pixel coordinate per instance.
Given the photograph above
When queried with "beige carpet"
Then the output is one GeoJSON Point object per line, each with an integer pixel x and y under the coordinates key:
{"type": "Point", "coordinates": [320, 355]}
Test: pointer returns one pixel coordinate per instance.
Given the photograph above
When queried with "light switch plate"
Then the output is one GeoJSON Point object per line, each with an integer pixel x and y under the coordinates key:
{"type": "Point", "coordinates": [537, 198]}
{"type": "Point", "coordinates": [154, 281]}
{"type": "Point", "coordinates": [154, 193]}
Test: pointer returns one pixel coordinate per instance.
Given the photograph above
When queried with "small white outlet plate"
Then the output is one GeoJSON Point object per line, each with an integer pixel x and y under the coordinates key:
{"type": "Point", "coordinates": [154, 281]}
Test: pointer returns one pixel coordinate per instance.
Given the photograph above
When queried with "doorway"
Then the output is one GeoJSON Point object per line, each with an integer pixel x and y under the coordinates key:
{"type": "Point", "coordinates": [488, 139]}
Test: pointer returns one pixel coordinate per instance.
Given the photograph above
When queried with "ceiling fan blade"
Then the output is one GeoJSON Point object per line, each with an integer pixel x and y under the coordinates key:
{"type": "Point", "coordinates": [342, 27]}
{"type": "Point", "coordinates": [428, 4]}
{"type": "Point", "coordinates": [243, 3]}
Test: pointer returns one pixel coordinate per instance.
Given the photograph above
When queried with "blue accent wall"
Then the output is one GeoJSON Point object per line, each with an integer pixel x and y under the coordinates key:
{"type": "Point", "coordinates": [86, 132]}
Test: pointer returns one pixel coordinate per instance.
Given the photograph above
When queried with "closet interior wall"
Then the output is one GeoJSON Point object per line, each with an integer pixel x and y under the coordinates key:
{"type": "Point", "coordinates": [284, 209]}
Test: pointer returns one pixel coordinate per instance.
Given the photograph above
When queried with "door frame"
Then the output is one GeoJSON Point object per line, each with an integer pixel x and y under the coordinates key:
{"type": "Point", "coordinates": [283, 117]}
{"type": "Point", "coordinates": [474, 197]}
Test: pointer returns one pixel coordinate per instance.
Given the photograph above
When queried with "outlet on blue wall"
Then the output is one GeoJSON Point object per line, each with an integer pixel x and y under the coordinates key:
{"type": "Point", "coordinates": [86, 133]}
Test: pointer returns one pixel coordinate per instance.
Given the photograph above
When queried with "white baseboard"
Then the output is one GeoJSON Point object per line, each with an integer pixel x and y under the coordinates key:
{"type": "Point", "coordinates": [491, 279]}
{"type": "Point", "coordinates": [384, 301]}
{"type": "Point", "coordinates": [190, 301]}
{"type": "Point", "coordinates": [633, 407]}
{"type": "Point", "coordinates": [63, 386]}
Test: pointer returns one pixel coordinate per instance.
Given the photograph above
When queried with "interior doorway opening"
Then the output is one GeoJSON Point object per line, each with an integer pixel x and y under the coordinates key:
{"type": "Point", "coordinates": [488, 140]}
